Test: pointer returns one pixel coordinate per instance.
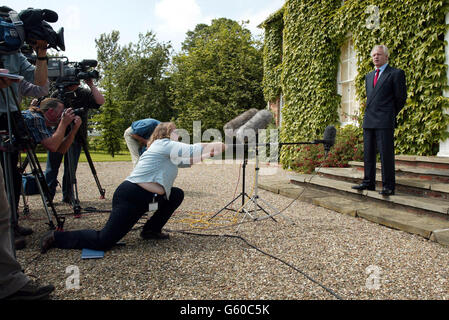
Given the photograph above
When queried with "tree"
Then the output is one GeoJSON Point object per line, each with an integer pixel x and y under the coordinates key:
{"type": "Point", "coordinates": [143, 83]}
{"type": "Point", "coordinates": [109, 120]}
{"type": "Point", "coordinates": [135, 85]}
{"type": "Point", "coordinates": [217, 76]}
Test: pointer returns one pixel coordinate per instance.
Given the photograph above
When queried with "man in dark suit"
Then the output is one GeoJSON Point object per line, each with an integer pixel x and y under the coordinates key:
{"type": "Point", "coordinates": [386, 93]}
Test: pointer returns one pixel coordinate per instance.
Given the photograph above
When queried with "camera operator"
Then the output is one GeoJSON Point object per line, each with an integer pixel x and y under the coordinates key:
{"type": "Point", "coordinates": [14, 284]}
{"type": "Point", "coordinates": [75, 97]}
{"type": "Point", "coordinates": [17, 63]}
{"type": "Point", "coordinates": [52, 113]}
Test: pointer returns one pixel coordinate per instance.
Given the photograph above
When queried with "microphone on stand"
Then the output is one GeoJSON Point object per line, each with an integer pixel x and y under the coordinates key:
{"type": "Point", "coordinates": [239, 121]}
{"type": "Point", "coordinates": [247, 133]}
{"type": "Point", "coordinates": [328, 139]}
{"type": "Point", "coordinates": [246, 127]}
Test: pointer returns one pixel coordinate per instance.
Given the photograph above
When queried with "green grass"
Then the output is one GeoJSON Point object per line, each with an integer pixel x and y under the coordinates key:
{"type": "Point", "coordinates": [97, 156]}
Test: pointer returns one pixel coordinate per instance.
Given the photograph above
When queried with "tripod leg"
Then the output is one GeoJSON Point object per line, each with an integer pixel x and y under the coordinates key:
{"type": "Point", "coordinates": [272, 208]}
{"type": "Point", "coordinates": [73, 185]}
{"type": "Point", "coordinates": [26, 208]}
{"type": "Point", "coordinates": [242, 194]}
{"type": "Point", "coordinates": [43, 190]}
{"type": "Point", "coordinates": [226, 206]}
{"type": "Point", "coordinates": [92, 167]}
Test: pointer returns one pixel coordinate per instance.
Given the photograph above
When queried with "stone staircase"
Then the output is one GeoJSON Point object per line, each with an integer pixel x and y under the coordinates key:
{"type": "Point", "coordinates": [420, 205]}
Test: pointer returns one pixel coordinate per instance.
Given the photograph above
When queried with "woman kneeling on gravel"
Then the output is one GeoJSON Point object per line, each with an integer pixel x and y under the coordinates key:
{"type": "Point", "coordinates": [152, 179]}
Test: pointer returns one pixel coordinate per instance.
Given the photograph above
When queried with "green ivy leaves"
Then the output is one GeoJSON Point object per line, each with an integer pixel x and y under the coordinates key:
{"type": "Point", "coordinates": [302, 53]}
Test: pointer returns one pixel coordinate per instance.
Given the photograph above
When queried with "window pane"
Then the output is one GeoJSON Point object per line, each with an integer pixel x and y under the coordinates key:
{"type": "Point", "coordinates": [348, 73]}
{"type": "Point", "coordinates": [352, 68]}
{"type": "Point", "coordinates": [344, 53]}
{"type": "Point", "coordinates": [345, 92]}
{"type": "Point", "coordinates": [344, 71]}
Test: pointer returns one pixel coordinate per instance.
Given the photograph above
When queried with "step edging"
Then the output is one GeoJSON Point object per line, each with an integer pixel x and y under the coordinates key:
{"type": "Point", "coordinates": [438, 207]}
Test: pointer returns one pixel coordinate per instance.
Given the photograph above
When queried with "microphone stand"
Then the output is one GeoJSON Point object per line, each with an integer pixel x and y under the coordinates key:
{"type": "Point", "coordinates": [242, 194]}
{"type": "Point", "coordinates": [256, 199]}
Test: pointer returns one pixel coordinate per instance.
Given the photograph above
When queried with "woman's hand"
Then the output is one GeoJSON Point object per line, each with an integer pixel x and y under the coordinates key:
{"type": "Point", "coordinates": [214, 148]}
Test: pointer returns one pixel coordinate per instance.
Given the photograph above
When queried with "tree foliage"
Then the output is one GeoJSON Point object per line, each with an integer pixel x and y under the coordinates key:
{"type": "Point", "coordinates": [217, 76]}
{"type": "Point", "coordinates": [109, 120]}
{"type": "Point", "coordinates": [134, 82]}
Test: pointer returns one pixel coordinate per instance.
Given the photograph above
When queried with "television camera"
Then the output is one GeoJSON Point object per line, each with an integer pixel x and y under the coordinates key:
{"type": "Point", "coordinates": [64, 73]}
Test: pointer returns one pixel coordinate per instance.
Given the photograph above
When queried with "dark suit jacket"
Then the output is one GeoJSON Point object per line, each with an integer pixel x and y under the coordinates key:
{"type": "Point", "coordinates": [386, 100]}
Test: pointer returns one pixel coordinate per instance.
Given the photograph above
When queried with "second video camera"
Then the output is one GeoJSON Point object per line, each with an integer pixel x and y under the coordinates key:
{"type": "Point", "coordinates": [66, 73]}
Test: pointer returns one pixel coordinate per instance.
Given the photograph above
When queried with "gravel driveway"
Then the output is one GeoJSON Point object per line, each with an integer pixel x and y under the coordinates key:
{"type": "Point", "coordinates": [325, 255]}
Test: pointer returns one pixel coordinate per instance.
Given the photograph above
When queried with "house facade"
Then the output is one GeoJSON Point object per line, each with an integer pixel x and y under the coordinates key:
{"type": "Point", "coordinates": [317, 53]}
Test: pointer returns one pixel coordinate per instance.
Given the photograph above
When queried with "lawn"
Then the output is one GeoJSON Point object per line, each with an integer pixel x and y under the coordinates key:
{"type": "Point", "coordinates": [97, 156]}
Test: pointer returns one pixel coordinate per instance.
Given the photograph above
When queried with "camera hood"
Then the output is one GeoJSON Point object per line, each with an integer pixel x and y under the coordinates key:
{"type": "Point", "coordinates": [33, 17]}
{"type": "Point", "coordinates": [36, 27]}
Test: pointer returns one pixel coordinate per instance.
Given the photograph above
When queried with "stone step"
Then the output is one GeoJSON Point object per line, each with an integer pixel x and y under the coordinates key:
{"type": "Point", "coordinates": [407, 171]}
{"type": "Point", "coordinates": [415, 186]}
{"type": "Point", "coordinates": [410, 202]}
{"type": "Point", "coordinates": [423, 225]}
{"type": "Point", "coordinates": [430, 226]}
{"type": "Point", "coordinates": [424, 162]}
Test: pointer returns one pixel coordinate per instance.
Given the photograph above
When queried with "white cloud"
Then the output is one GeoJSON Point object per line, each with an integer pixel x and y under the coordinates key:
{"type": "Point", "coordinates": [178, 15]}
{"type": "Point", "coordinates": [175, 17]}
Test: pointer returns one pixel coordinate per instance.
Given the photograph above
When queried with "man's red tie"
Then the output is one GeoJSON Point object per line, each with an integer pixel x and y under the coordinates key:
{"type": "Point", "coordinates": [376, 77]}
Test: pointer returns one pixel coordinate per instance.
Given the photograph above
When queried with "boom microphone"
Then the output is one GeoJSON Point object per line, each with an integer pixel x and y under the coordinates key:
{"type": "Point", "coordinates": [247, 133]}
{"type": "Point", "coordinates": [240, 120]}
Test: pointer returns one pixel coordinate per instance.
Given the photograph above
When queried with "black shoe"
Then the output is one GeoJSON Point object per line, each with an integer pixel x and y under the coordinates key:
{"type": "Point", "coordinates": [31, 291]}
{"type": "Point", "coordinates": [22, 231]}
{"type": "Point", "coordinates": [152, 235]}
{"type": "Point", "coordinates": [387, 192]}
{"type": "Point", "coordinates": [20, 243]}
{"type": "Point", "coordinates": [364, 186]}
{"type": "Point", "coordinates": [47, 241]}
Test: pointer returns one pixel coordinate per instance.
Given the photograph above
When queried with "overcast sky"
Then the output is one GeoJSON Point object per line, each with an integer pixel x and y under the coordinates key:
{"type": "Point", "coordinates": [84, 21]}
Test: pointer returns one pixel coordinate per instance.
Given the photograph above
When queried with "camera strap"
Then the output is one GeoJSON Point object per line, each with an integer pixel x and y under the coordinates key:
{"type": "Point", "coordinates": [14, 16]}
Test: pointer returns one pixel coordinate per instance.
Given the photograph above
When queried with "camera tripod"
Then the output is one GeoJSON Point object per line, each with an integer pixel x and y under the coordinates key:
{"type": "Point", "coordinates": [71, 163]}
{"type": "Point", "coordinates": [15, 140]}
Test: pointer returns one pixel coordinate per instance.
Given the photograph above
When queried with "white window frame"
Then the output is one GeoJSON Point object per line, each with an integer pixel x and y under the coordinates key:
{"type": "Point", "coordinates": [354, 103]}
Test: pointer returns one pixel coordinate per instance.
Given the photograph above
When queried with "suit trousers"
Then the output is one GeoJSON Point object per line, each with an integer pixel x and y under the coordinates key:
{"type": "Point", "coordinates": [381, 140]}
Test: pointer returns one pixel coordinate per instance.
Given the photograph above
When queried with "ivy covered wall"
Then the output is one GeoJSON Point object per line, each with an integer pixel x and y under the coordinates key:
{"type": "Point", "coordinates": [312, 34]}
{"type": "Point", "coordinates": [272, 52]}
